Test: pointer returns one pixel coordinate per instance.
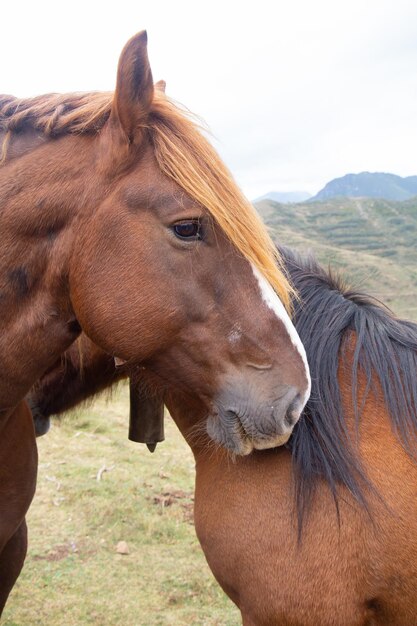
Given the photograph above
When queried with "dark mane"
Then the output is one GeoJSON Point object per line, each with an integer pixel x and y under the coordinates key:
{"type": "Point", "coordinates": [386, 352]}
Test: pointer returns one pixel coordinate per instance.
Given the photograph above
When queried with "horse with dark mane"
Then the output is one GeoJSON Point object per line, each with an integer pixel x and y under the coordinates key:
{"type": "Point", "coordinates": [322, 531]}
{"type": "Point", "coordinates": [118, 218]}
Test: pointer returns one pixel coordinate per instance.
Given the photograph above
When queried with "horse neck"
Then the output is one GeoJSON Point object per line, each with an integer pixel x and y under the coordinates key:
{"type": "Point", "coordinates": [42, 196]}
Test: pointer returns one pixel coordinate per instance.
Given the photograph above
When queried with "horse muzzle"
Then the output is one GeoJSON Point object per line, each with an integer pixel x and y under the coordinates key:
{"type": "Point", "coordinates": [242, 423]}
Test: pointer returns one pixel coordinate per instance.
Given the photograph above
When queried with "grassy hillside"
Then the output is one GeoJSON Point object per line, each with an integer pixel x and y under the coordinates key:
{"type": "Point", "coordinates": [374, 241]}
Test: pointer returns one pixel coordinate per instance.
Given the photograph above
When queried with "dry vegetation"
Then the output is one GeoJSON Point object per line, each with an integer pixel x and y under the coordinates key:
{"type": "Point", "coordinates": [73, 575]}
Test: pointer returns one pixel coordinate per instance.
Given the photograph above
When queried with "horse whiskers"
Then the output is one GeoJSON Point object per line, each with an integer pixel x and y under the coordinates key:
{"type": "Point", "coordinates": [197, 434]}
{"type": "Point", "coordinates": [198, 438]}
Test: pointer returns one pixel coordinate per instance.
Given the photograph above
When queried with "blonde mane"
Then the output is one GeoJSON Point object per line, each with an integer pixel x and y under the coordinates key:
{"type": "Point", "coordinates": [183, 154]}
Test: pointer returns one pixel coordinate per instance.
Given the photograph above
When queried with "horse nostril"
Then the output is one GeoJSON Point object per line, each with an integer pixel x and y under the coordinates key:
{"type": "Point", "coordinates": [230, 414]}
{"type": "Point", "coordinates": [293, 411]}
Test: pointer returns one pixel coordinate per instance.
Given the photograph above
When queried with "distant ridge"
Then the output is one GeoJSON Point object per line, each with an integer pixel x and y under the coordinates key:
{"type": "Point", "coordinates": [285, 197]}
{"type": "Point", "coordinates": [372, 240]}
{"type": "Point", "coordinates": [369, 185]}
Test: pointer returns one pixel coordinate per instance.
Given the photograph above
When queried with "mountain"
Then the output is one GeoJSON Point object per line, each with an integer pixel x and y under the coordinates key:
{"type": "Point", "coordinates": [285, 197]}
{"type": "Point", "coordinates": [369, 185]}
{"type": "Point", "coordinates": [372, 240]}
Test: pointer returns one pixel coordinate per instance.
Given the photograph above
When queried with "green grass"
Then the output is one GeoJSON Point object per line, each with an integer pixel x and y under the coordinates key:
{"type": "Point", "coordinates": [73, 575]}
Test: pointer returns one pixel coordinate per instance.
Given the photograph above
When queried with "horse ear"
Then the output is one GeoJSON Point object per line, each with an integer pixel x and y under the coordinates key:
{"type": "Point", "coordinates": [161, 86]}
{"type": "Point", "coordinates": [134, 88]}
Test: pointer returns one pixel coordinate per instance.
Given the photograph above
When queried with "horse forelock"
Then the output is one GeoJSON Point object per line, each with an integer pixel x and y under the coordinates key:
{"type": "Point", "coordinates": [183, 154]}
{"type": "Point", "coordinates": [335, 322]}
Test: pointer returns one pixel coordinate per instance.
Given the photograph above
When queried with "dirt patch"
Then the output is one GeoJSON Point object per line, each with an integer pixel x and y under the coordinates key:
{"type": "Point", "coordinates": [57, 553]}
{"type": "Point", "coordinates": [62, 551]}
{"type": "Point", "coordinates": [185, 499]}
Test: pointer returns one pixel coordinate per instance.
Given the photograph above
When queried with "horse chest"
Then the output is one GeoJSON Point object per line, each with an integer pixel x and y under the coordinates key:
{"type": "Point", "coordinates": [338, 575]}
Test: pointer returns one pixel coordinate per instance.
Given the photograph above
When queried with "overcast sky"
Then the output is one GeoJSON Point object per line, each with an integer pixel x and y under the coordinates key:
{"type": "Point", "coordinates": [295, 92]}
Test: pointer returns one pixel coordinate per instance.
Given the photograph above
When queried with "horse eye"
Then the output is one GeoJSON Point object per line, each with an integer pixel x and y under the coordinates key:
{"type": "Point", "coordinates": [190, 230]}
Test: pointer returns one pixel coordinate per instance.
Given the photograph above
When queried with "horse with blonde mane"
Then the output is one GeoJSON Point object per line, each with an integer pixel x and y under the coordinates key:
{"type": "Point", "coordinates": [321, 531]}
{"type": "Point", "coordinates": [118, 218]}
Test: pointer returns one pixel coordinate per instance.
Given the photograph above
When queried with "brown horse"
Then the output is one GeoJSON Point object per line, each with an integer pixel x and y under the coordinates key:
{"type": "Point", "coordinates": [118, 218]}
{"type": "Point", "coordinates": [323, 531]}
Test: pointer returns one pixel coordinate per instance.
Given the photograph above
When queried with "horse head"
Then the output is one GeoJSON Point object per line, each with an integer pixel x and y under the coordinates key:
{"type": "Point", "coordinates": [165, 263]}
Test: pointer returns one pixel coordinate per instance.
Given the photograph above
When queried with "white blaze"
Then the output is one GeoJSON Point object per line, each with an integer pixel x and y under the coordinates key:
{"type": "Point", "coordinates": [274, 303]}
